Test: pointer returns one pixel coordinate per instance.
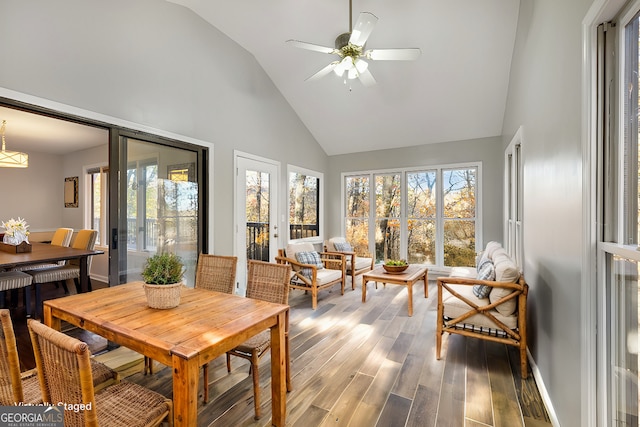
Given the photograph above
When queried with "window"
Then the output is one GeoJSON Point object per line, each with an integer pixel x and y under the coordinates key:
{"type": "Point", "coordinates": [425, 216]}
{"type": "Point", "coordinates": [421, 217]}
{"type": "Point", "coordinates": [98, 185]}
{"type": "Point", "coordinates": [513, 199]}
{"type": "Point", "coordinates": [387, 220]}
{"type": "Point", "coordinates": [304, 203]}
{"type": "Point", "coordinates": [357, 212]}
{"type": "Point", "coordinates": [142, 205]}
{"type": "Point", "coordinates": [459, 216]}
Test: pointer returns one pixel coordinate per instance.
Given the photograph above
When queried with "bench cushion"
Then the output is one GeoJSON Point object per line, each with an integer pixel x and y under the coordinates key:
{"type": "Point", "coordinates": [454, 307]}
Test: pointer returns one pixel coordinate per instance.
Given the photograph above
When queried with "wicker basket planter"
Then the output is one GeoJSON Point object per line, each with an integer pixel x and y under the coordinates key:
{"type": "Point", "coordinates": [163, 296]}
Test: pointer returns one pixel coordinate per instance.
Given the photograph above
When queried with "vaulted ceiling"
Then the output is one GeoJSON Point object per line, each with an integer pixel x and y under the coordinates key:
{"type": "Point", "coordinates": [456, 90]}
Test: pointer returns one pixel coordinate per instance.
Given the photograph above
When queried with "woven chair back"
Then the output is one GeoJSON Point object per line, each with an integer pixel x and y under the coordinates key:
{"type": "Point", "coordinates": [216, 273]}
{"type": "Point", "coordinates": [10, 381]}
{"type": "Point", "coordinates": [64, 370]}
{"type": "Point", "coordinates": [62, 237]}
{"type": "Point", "coordinates": [268, 282]}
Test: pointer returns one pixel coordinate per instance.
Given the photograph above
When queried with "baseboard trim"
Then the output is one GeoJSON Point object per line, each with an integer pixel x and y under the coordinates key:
{"type": "Point", "coordinates": [100, 278]}
{"type": "Point", "coordinates": [543, 390]}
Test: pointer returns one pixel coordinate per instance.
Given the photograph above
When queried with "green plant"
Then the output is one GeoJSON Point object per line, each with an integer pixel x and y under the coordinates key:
{"type": "Point", "coordinates": [396, 262]}
{"type": "Point", "coordinates": [163, 269]}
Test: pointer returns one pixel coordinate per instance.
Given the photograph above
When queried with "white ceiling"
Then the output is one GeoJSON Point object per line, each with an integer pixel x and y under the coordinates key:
{"type": "Point", "coordinates": [455, 91]}
{"type": "Point", "coordinates": [34, 132]}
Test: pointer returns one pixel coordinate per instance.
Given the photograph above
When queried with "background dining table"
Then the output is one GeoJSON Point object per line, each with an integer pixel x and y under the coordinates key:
{"type": "Point", "coordinates": [46, 253]}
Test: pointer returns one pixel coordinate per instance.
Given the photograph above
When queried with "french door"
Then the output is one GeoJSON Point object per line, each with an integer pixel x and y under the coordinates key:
{"type": "Point", "coordinates": [159, 188]}
{"type": "Point", "coordinates": [256, 212]}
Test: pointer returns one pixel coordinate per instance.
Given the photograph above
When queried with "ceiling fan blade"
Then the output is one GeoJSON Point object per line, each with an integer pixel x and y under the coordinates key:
{"type": "Point", "coordinates": [367, 78]}
{"type": "Point", "coordinates": [408, 54]}
{"type": "Point", "coordinates": [362, 28]}
{"type": "Point", "coordinates": [326, 70]}
{"type": "Point", "coordinates": [311, 46]}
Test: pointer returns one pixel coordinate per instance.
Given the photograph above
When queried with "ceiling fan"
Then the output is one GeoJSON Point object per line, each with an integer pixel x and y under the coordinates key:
{"type": "Point", "coordinates": [350, 48]}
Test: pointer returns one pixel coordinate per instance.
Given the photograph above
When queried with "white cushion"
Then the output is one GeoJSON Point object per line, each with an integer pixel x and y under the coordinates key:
{"type": "Point", "coordinates": [454, 307]}
{"type": "Point", "coordinates": [293, 248]}
{"type": "Point", "coordinates": [506, 271]}
{"type": "Point", "coordinates": [327, 275]}
{"type": "Point", "coordinates": [491, 248]}
{"type": "Point", "coordinates": [361, 263]}
{"type": "Point", "coordinates": [464, 272]}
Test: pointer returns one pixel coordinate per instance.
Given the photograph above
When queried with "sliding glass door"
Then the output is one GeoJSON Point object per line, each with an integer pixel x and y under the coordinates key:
{"type": "Point", "coordinates": [159, 209]}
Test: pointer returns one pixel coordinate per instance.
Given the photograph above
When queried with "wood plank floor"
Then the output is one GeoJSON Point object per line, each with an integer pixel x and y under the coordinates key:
{"type": "Point", "coordinates": [356, 364]}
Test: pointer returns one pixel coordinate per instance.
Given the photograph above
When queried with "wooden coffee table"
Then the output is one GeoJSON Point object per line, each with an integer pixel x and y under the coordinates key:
{"type": "Point", "coordinates": [407, 278]}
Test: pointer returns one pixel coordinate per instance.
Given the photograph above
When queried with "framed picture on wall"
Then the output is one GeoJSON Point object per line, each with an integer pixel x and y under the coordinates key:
{"type": "Point", "coordinates": [71, 192]}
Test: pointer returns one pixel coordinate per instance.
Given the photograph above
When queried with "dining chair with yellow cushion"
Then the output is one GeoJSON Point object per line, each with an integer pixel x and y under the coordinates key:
{"type": "Point", "coordinates": [61, 237]}
{"type": "Point", "coordinates": [85, 239]}
{"type": "Point", "coordinates": [267, 282]}
{"type": "Point", "coordinates": [64, 372]}
{"type": "Point", "coordinates": [13, 281]}
{"type": "Point", "coordinates": [16, 386]}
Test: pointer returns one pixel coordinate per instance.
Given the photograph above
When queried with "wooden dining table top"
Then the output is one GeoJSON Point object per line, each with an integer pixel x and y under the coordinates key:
{"type": "Point", "coordinates": [44, 252]}
{"type": "Point", "coordinates": [203, 326]}
{"type": "Point", "coordinates": [204, 322]}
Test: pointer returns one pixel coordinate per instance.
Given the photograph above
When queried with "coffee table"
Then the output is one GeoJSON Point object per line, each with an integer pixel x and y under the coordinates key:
{"type": "Point", "coordinates": [408, 278]}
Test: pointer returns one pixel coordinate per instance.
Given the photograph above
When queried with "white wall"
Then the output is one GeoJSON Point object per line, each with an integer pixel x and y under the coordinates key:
{"type": "Point", "coordinates": [159, 65]}
{"type": "Point", "coordinates": [34, 193]}
{"type": "Point", "coordinates": [545, 98]}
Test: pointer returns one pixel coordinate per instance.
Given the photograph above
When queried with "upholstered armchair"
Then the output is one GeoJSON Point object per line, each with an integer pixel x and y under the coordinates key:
{"type": "Point", "coordinates": [356, 263]}
{"type": "Point", "coordinates": [312, 270]}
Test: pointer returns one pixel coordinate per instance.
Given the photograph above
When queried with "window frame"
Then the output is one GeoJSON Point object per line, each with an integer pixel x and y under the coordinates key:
{"type": "Point", "coordinates": [320, 210]}
{"type": "Point", "coordinates": [439, 168]}
{"type": "Point", "coordinates": [103, 227]}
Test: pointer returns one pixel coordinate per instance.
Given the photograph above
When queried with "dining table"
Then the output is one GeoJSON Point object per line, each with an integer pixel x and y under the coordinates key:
{"type": "Point", "coordinates": [205, 325]}
{"type": "Point", "coordinates": [45, 253]}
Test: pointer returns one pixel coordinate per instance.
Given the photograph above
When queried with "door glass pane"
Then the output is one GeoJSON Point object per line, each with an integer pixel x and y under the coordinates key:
{"type": "Point", "coordinates": [388, 204]}
{"type": "Point", "coordinates": [257, 209]}
{"type": "Point", "coordinates": [421, 216]}
{"type": "Point", "coordinates": [161, 205]}
{"type": "Point", "coordinates": [357, 213]}
{"type": "Point", "coordinates": [459, 195]}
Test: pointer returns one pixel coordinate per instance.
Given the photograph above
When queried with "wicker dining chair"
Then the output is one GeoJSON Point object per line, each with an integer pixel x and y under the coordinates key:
{"type": "Point", "coordinates": [16, 386]}
{"type": "Point", "coordinates": [268, 282]}
{"type": "Point", "coordinates": [64, 372]}
{"type": "Point", "coordinates": [215, 273]}
{"type": "Point", "coordinates": [85, 239]}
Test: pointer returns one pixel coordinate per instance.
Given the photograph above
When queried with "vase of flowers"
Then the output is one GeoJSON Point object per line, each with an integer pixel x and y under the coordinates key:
{"type": "Point", "coordinates": [16, 231]}
{"type": "Point", "coordinates": [162, 276]}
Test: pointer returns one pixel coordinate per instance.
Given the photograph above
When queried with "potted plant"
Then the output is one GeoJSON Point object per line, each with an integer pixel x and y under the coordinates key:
{"type": "Point", "coordinates": [162, 275]}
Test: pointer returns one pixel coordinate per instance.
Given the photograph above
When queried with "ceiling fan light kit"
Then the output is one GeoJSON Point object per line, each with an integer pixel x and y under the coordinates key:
{"type": "Point", "coordinates": [349, 47]}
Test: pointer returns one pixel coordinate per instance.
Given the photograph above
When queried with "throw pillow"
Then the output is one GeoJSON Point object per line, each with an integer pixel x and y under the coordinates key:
{"type": "Point", "coordinates": [486, 271]}
{"type": "Point", "coordinates": [343, 247]}
{"type": "Point", "coordinates": [312, 258]}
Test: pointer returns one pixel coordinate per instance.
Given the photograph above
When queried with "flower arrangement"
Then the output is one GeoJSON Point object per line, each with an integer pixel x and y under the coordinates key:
{"type": "Point", "coordinates": [16, 231]}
